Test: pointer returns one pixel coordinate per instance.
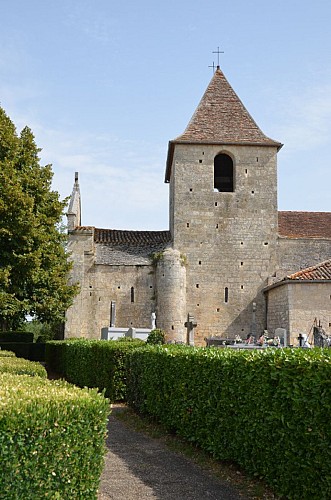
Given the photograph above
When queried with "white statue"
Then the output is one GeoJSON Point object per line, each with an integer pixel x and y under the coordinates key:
{"type": "Point", "coordinates": [153, 320]}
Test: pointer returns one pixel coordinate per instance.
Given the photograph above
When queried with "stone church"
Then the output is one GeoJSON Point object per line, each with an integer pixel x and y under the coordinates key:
{"type": "Point", "coordinates": [230, 262]}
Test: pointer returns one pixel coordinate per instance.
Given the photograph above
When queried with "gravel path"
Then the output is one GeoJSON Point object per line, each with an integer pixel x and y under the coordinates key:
{"type": "Point", "coordinates": [138, 467]}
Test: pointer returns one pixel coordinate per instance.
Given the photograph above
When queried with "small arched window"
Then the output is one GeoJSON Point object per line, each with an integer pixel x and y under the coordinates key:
{"type": "Point", "coordinates": [223, 173]}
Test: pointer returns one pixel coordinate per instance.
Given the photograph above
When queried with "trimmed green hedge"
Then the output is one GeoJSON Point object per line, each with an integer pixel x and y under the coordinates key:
{"type": "Point", "coordinates": [7, 354]}
{"type": "Point", "coordinates": [92, 363]}
{"type": "Point", "coordinates": [269, 410]}
{"type": "Point", "coordinates": [21, 366]}
{"type": "Point", "coordinates": [26, 350]}
{"type": "Point", "coordinates": [52, 439]}
{"type": "Point", "coordinates": [16, 336]}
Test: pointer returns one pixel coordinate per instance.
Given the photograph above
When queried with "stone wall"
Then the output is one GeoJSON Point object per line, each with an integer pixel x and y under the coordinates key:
{"type": "Point", "coordinates": [299, 253]}
{"type": "Point", "coordinates": [171, 295]}
{"type": "Point", "coordinates": [130, 285]}
{"type": "Point", "coordinates": [277, 310]}
{"type": "Point", "coordinates": [295, 305]}
{"type": "Point", "coordinates": [229, 238]}
{"type": "Point", "coordinates": [81, 249]}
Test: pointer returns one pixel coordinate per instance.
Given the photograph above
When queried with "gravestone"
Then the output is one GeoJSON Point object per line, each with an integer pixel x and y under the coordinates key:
{"type": "Point", "coordinates": [282, 334]}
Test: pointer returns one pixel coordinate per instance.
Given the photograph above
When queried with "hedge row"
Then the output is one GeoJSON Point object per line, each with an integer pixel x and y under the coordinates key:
{"type": "Point", "coordinates": [52, 438]}
{"type": "Point", "coordinates": [6, 354]}
{"type": "Point", "coordinates": [269, 411]}
{"type": "Point", "coordinates": [16, 336]}
{"type": "Point", "coordinates": [92, 363]}
{"type": "Point", "coordinates": [21, 366]}
{"type": "Point", "coordinates": [27, 350]}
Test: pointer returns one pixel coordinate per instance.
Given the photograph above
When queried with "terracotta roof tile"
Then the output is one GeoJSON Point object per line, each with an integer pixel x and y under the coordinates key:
{"type": "Point", "coordinates": [304, 224]}
{"type": "Point", "coordinates": [220, 118]}
{"type": "Point", "coordinates": [138, 238]}
{"type": "Point", "coordinates": [321, 271]}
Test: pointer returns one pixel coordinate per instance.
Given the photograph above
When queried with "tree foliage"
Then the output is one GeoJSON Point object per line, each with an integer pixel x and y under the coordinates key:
{"type": "Point", "coordinates": [33, 260]}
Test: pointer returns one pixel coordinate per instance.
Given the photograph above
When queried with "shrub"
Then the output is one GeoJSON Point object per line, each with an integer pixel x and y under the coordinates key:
{"type": "Point", "coordinates": [156, 336]}
{"type": "Point", "coordinates": [21, 366]}
{"type": "Point", "coordinates": [52, 438]}
{"type": "Point", "coordinates": [16, 336]}
{"type": "Point", "coordinates": [7, 354]}
{"type": "Point", "coordinates": [27, 350]}
{"type": "Point", "coordinates": [92, 363]}
{"type": "Point", "coordinates": [267, 410]}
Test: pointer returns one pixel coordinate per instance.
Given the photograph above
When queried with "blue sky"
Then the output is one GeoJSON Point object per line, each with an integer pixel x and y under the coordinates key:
{"type": "Point", "coordinates": [104, 85]}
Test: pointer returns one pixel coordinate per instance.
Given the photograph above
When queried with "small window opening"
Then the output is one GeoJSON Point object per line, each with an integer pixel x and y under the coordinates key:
{"type": "Point", "coordinates": [197, 285]}
{"type": "Point", "coordinates": [241, 243]}
{"type": "Point", "coordinates": [216, 226]}
{"type": "Point", "coordinates": [200, 161]}
{"type": "Point", "coordinates": [119, 287]}
{"type": "Point", "coordinates": [252, 192]}
{"type": "Point", "coordinates": [172, 327]}
{"type": "Point", "coordinates": [218, 309]}
{"type": "Point", "coordinates": [215, 203]}
{"type": "Point", "coordinates": [132, 294]}
{"type": "Point", "coordinates": [266, 243]}
{"type": "Point", "coordinates": [187, 224]}
{"type": "Point", "coordinates": [242, 287]}
{"type": "Point", "coordinates": [191, 190]}
{"type": "Point", "coordinates": [90, 294]}
{"type": "Point", "coordinates": [198, 305]}
{"type": "Point", "coordinates": [257, 159]}
{"type": "Point", "coordinates": [226, 294]}
{"type": "Point", "coordinates": [150, 286]}
{"type": "Point", "coordinates": [199, 262]}
{"type": "Point", "coordinates": [223, 173]}
{"type": "Point", "coordinates": [241, 263]}
{"type": "Point", "coordinates": [246, 170]}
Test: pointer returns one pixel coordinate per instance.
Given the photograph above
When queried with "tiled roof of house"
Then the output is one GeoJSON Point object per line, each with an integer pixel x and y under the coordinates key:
{"type": "Point", "coordinates": [139, 238]}
{"type": "Point", "coordinates": [220, 118]}
{"type": "Point", "coordinates": [321, 271]}
{"type": "Point", "coordinates": [304, 224]}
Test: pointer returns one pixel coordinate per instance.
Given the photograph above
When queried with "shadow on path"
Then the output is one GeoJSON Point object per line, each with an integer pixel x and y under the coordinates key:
{"type": "Point", "coordinates": [140, 467]}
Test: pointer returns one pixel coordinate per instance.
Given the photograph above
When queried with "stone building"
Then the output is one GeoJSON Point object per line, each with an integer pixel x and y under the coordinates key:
{"type": "Point", "coordinates": [226, 247]}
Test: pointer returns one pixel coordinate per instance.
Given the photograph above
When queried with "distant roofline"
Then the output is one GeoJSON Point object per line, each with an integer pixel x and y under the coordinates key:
{"type": "Point", "coordinates": [319, 273]}
{"type": "Point", "coordinates": [293, 224]}
{"type": "Point", "coordinates": [287, 281]}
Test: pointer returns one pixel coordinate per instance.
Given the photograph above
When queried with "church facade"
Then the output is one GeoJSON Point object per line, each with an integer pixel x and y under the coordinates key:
{"type": "Point", "coordinates": [229, 261]}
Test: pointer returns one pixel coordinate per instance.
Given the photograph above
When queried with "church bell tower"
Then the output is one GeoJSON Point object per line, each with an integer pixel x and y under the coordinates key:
{"type": "Point", "coordinates": [222, 173]}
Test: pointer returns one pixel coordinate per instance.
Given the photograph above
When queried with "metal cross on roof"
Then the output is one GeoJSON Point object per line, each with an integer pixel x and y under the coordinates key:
{"type": "Point", "coordinates": [213, 66]}
{"type": "Point", "coordinates": [218, 52]}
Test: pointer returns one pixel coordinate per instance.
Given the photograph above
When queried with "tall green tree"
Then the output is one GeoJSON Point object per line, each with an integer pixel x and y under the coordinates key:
{"type": "Point", "coordinates": [34, 267]}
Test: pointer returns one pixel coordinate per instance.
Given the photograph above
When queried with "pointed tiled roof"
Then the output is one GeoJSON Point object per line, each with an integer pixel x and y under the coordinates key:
{"type": "Point", "coordinates": [304, 224]}
{"type": "Point", "coordinates": [220, 118]}
{"type": "Point", "coordinates": [319, 272]}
